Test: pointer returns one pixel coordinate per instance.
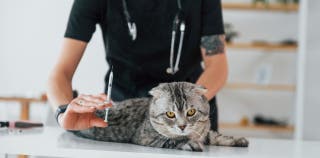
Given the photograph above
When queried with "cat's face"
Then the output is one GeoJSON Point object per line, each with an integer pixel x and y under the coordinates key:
{"type": "Point", "coordinates": [179, 109]}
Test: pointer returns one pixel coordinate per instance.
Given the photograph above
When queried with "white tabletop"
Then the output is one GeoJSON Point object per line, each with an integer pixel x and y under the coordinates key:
{"type": "Point", "coordinates": [55, 142]}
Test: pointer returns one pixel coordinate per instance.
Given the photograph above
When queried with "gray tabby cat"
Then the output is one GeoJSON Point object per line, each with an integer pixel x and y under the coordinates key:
{"type": "Point", "coordinates": [176, 117]}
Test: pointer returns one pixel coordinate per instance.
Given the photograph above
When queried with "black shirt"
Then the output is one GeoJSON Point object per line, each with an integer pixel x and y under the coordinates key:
{"type": "Point", "coordinates": [141, 64]}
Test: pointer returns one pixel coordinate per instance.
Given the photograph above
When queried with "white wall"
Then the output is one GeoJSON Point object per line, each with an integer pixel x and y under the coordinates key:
{"type": "Point", "coordinates": [31, 34]}
{"type": "Point", "coordinates": [311, 106]}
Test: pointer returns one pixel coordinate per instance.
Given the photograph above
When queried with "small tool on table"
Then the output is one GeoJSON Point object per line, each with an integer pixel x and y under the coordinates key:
{"type": "Point", "coordinates": [109, 94]}
{"type": "Point", "coordinates": [19, 124]}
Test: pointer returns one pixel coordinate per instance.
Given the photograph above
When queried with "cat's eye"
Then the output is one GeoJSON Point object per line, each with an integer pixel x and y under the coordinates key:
{"type": "Point", "coordinates": [171, 114]}
{"type": "Point", "coordinates": [191, 112]}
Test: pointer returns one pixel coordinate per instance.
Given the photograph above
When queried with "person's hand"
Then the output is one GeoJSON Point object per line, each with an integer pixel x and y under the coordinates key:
{"type": "Point", "coordinates": [80, 114]}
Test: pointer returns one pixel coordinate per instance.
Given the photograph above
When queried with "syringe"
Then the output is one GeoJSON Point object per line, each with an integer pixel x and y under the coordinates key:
{"type": "Point", "coordinates": [109, 94]}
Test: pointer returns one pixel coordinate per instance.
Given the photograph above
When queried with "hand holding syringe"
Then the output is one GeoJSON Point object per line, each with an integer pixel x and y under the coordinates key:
{"type": "Point", "coordinates": [83, 108]}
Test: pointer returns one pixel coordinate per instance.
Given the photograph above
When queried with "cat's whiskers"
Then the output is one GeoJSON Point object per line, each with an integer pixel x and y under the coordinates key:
{"type": "Point", "coordinates": [204, 121]}
{"type": "Point", "coordinates": [158, 123]}
{"type": "Point", "coordinates": [200, 134]}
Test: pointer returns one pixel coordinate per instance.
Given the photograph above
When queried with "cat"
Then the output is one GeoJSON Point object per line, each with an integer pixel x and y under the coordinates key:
{"type": "Point", "coordinates": [176, 117]}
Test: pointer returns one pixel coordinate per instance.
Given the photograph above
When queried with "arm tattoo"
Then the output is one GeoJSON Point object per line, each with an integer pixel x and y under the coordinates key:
{"type": "Point", "coordinates": [213, 44]}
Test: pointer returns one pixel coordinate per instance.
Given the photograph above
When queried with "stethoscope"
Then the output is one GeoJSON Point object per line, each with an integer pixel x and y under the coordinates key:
{"type": "Point", "coordinates": [178, 22]}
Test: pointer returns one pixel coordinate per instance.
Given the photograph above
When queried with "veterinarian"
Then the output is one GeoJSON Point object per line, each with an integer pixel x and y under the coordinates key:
{"type": "Point", "coordinates": [147, 42]}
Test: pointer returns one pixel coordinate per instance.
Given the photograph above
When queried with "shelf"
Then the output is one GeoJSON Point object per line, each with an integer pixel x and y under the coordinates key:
{"type": "Point", "coordinates": [262, 7]}
{"type": "Point", "coordinates": [252, 127]}
{"type": "Point", "coordinates": [22, 99]}
{"type": "Point", "coordinates": [264, 47]}
{"type": "Point", "coordinates": [271, 87]}
{"type": "Point", "coordinates": [25, 104]}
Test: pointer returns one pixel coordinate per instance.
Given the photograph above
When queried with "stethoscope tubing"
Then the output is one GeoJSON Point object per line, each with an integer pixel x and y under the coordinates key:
{"type": "Point", "coordinates": [182, 28]}
{"type": "Point", "coordinates": [174, 67]}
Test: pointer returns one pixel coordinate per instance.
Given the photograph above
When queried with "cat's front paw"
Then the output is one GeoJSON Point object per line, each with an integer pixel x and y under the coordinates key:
{"type": "Point", "coordinates": [193, 146]}
{"type": "Point", "coordinates": [241, 142]}
{"type": "Point", "coordinates": [216, 138]}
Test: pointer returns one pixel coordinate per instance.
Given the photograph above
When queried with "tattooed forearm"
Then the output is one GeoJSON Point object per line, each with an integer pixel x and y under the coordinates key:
{"type": "Point", "coordinates": [213, 44]}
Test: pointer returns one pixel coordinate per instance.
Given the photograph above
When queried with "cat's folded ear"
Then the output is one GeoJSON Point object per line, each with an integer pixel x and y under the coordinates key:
{"type": "Point", "coordinates": [200, 89]}
{"type": "Point", "coordinates": [156, 92]}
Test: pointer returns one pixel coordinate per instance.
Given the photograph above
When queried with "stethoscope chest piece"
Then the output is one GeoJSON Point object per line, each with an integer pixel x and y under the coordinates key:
{"type": "Point", "coordinates": [171, 71]}
{"type": "Point", "coordinates": [132, 30]}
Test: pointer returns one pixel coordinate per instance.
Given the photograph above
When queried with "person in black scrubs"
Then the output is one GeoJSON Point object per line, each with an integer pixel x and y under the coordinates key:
{"type": "Point", "coordinates": [138, 37]}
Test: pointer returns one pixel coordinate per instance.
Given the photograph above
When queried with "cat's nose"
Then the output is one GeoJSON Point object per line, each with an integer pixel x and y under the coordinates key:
{"type": "Point", "coordinates": [182, 127]}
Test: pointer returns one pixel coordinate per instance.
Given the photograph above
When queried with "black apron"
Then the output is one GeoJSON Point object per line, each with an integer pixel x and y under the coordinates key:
{"type": "Point", "coordinates": [140, 65]}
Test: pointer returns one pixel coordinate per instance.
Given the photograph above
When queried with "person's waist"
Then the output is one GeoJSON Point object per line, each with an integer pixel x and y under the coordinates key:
{"type": "Point", "coordinates": [131, 84]}
{"type": "Point", "coordinates": [143, 76]}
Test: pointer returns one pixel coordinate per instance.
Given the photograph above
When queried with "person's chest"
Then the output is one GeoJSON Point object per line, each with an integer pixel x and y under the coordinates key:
{"type": "Point", "coordinates": [153, 18]}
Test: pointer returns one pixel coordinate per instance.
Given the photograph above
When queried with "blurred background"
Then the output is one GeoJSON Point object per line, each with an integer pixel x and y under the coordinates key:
{"type": "Point", "coordinates": [272, 50]}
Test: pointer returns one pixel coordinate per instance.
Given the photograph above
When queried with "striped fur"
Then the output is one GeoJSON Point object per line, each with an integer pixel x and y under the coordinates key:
{"type": "Point", "coordinates": [143, 121]}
